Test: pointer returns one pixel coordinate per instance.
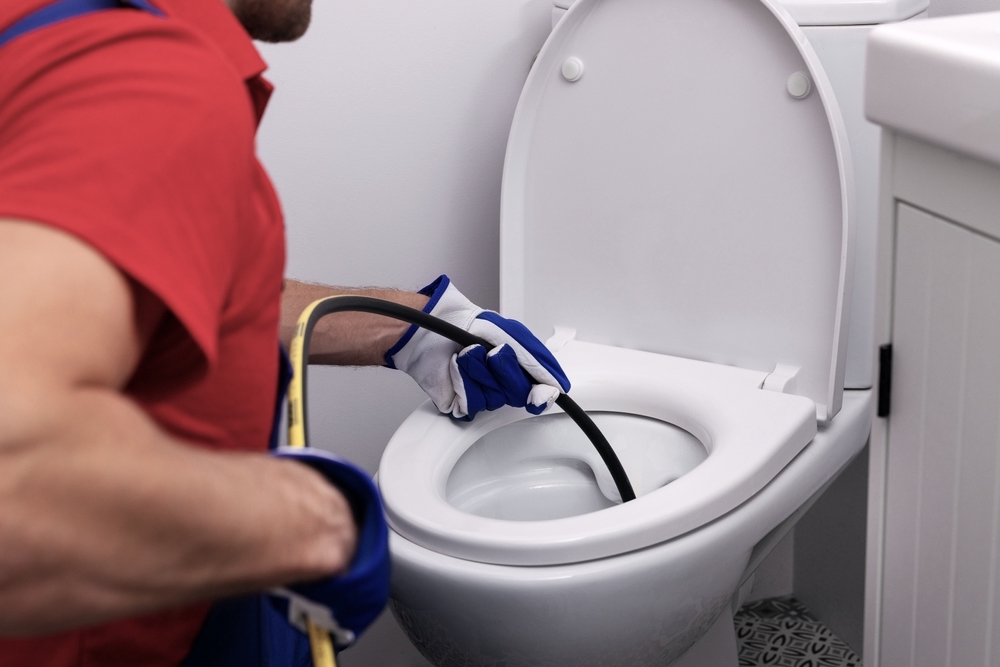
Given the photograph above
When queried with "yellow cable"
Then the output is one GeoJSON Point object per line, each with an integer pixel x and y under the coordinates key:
{"type": "Point", "coordinates": [296, 410]}
{"type": "Point", "coordinates": [319, 639]}
{"type": "Point", "coordinates": [322, 646]}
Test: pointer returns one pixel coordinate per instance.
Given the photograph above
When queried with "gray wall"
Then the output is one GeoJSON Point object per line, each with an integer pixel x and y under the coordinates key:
{"type": "Point", "coordinates": [829, 554]}
{"type": "Point", "coordinates": [385, 140]}
{"type": "Point", "coordinates": [946, 7]}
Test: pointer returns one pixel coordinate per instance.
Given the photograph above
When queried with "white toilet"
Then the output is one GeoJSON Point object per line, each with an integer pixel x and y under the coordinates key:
{"type": "Point", "coordinates": [678, 189]}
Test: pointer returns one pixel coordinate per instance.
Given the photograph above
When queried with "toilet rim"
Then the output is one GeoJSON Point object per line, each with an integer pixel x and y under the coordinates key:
{"type": "Point", "coordinates": [750, 435]}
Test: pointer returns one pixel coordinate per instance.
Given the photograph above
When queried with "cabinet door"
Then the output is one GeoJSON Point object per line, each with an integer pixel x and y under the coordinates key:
{"type": "Point", "coordinates": [943, 481]}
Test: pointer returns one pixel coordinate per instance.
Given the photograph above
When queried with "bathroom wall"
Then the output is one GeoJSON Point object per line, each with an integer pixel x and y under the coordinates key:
{"type": "Point", "coordinates": [829, 554]}
{"type": "Point", "coordinates": [946, 7]}
{"type": "Point", "coordinates": [385, 140]}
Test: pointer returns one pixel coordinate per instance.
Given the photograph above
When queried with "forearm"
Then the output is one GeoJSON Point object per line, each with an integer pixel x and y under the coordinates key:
{"type": "Point", "coordinates": [351, 339]}
{"type": "Point", "coordinates": [102, 515]}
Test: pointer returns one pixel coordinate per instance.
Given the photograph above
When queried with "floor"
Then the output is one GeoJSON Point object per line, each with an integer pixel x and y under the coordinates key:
{"type": "Point", "coordinates": [780, 632]}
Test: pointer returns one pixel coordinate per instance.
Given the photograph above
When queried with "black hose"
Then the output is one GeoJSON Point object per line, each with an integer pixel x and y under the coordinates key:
{"type": "Point", "coordinates": [367, 304]}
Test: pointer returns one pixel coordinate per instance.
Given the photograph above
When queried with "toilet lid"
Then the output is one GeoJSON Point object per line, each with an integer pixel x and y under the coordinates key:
{"type": "Point", "coordinates": [676, 197]}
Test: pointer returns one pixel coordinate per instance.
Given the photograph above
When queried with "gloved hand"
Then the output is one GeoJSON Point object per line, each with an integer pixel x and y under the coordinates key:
{"type": "Point", "coordinates": [519, 370]}
{"type": "Point", "coordinates": [344, 605]}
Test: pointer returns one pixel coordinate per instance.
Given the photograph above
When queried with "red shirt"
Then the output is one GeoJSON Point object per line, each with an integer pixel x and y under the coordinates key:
{"type": "Point", "coordinates": [135, 133]}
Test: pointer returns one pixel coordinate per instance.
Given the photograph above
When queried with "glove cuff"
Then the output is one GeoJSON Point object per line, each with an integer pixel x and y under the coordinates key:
{"type": "Point", "coordinates": [361, 494]}
{"type": "Point", "coordinates": [446, 303]}
{"type": "Point", "coordinates": [435, 291]}
{"type": "Point", "coordinates": [356, 597]}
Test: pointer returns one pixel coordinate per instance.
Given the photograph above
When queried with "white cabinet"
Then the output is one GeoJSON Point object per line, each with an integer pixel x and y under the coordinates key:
{"type": "Point", "coordinates": [942, 482]}
{"type": "Point", "coordinates": [932, 593]}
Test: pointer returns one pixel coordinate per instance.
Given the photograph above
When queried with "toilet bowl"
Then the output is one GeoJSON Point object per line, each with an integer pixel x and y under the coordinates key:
{"type": "Point", "coordinates": [643, 607]}
{"type": "Point", "coordinates": [434, 471]}
{"type": "Point", "coordinates": [678, 189]}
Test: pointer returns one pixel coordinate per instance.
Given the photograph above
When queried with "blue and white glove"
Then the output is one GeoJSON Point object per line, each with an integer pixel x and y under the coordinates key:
{"type": "Point", "coordinates": [519, 370]}
{"type": "Point", "coordinates": [347, 604]}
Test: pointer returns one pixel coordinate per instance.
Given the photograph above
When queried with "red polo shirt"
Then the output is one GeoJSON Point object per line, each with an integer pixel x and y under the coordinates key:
{"type": "Point", "coordinates": [135, 133]}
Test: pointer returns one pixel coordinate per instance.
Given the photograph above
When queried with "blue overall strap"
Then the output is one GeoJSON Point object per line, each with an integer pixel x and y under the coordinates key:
{"type": "Point", "coordinates": [68, 9]}
{"type": "Point", "coordinates": [250, 631]}
{"type": "Point", "coordinates": [284, 379]}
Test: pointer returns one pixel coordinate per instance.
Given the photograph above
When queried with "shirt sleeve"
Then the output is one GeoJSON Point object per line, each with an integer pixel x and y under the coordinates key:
{"type": "Point", "coordinates": [134, 134]}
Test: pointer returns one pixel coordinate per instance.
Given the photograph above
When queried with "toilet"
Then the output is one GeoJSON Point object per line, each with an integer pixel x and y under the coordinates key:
{"type": "Point", "coordinates": [679, 209]}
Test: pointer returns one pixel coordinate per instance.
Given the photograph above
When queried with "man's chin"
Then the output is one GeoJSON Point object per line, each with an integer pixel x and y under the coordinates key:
{"type": "Point", "coordinates": [288, 33]}
{"type": "Point", "coordinates": [273, 20]}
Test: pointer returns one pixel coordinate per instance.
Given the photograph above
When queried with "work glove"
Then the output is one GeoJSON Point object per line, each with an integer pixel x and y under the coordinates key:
{"type": "Point", "coordinates": [518, 370]}
{"type": "Point", "coordinates": [345, 605]}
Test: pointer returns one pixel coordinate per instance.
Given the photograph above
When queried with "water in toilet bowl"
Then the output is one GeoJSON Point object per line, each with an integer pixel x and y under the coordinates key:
{"type": "Point", "coordinates": [545, 468]}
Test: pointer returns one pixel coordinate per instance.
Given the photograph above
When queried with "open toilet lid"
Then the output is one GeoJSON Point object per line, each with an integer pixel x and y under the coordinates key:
{"type": "Point", "coordinates": [677, 197]}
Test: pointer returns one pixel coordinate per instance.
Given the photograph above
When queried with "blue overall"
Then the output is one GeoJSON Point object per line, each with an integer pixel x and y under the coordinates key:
{"type": "Point", "coordinates": [249, 631]}
{"type": "Point", "coordinates": [241, 632]}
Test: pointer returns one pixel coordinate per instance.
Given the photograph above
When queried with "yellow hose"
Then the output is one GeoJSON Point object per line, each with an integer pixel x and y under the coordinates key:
{"type": "Point", "coordinates": [319, 639]}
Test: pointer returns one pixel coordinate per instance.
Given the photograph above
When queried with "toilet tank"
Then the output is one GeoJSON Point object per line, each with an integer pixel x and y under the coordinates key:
{"type": "Point", "coordinates": [837, 31]}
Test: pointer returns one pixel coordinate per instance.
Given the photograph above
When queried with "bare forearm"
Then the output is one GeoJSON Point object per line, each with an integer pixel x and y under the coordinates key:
{"type": "Point", "coordinates": [353, 339]}
{"type": "Point", "coordinates": [102, 515]}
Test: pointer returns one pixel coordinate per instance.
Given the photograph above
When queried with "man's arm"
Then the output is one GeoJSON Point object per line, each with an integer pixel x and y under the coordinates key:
{"type": "Point", "coordinates": [345, 339]}
{"type": "Point", "coordinates": [102, 513]}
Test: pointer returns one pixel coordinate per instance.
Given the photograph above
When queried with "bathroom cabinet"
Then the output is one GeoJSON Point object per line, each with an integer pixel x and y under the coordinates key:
{"type": "Point", "coordinates": [933, 542]}
{"type": "Point", "coordinates": [934, 488]}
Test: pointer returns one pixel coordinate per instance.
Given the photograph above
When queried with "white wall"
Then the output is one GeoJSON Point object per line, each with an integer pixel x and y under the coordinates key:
{"type": "Point", "coordinates": [946, 7]}
{"type": "Point", "coordinates": [385, 139]}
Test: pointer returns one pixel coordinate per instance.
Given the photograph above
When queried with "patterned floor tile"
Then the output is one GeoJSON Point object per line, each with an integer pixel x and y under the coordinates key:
{"type": "Point", "coordinates": [780, 632]}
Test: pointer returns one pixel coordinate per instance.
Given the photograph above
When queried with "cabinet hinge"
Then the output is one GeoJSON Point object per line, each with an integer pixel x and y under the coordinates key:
{"type": "Point", "coordinates": [884, 379]}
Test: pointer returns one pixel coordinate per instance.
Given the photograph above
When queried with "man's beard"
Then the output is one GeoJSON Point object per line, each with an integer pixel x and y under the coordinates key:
{"type": "Point", "coordinates": [273, 20]}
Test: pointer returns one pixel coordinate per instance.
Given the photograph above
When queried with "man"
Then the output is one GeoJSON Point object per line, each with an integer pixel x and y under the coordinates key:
{"type": "Point", "coordinates": [141, 261]}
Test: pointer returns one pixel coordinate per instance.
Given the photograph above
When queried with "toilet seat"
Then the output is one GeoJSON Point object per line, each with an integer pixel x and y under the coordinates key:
{"type": "Point", "coordinates": [750, 434]}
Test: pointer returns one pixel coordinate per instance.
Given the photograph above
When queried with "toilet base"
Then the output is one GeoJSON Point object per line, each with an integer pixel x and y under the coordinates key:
{"type": "Point", "coordinates": [716, 649]}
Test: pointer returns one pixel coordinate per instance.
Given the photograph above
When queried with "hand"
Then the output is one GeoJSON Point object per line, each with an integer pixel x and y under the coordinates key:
{"type": "Point", "coordinates": [346, 604]}
{"type": "Point", "coordinates": [518, 371]}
